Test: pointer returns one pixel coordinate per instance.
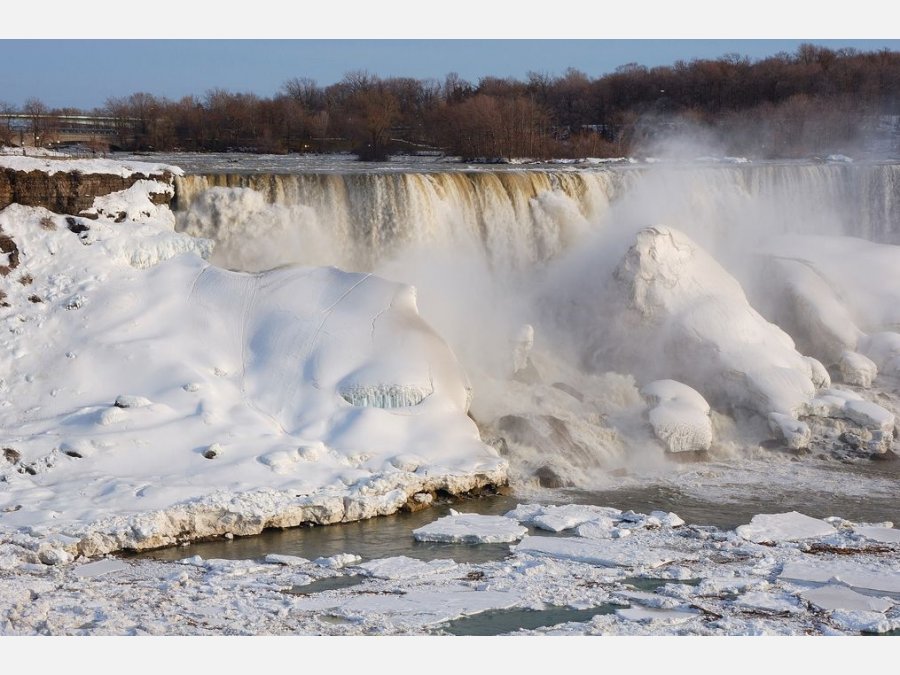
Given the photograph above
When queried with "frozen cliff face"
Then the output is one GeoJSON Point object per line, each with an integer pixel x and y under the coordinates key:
{"type": "Point", "coordinates": [673, 310]}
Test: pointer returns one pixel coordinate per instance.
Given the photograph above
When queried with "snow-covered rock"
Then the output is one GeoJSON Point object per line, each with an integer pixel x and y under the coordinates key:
{"type": "Point", "coordinates": [673, 303]}
{"type": "Point", "coordinates": [679, 416]}
{"type": "Point", "coordinates": [857, 369]}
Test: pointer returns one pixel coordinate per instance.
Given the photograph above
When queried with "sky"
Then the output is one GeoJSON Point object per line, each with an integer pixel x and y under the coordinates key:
{"type": "Point", "coordinates": [103, 51]}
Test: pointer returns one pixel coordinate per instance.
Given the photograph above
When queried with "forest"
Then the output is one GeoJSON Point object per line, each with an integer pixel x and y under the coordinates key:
{"type": "Point", "coordinates": [814, 100]}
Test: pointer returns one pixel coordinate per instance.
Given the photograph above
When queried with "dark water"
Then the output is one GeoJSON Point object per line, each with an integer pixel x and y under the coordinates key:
{"type": "Point", "coordinates": [371, 539]}
{"type": "Point", "coordinates": [392, 535]}
{"type": "Point", "coordinates": [502, 621]}
{"type": "Point", "coordinates": [327, 584]}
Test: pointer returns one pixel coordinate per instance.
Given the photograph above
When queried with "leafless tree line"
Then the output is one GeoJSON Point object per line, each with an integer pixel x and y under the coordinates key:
{"type": "Point", "coordinates": [814, 100]}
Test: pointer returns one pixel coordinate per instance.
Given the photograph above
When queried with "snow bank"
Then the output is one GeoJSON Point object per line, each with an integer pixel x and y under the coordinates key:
{"type": "Point", "coordinates": [57, 164]}
{"type": "Point", "coordinates": [149, 397]}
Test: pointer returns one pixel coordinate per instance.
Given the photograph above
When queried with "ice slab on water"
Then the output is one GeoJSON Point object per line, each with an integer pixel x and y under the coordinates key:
{"type": "Point", "coordinates": [404, 567]}
{"type": "Point", "coordinates": [604, 552]}
{"type": "Point", "coordinates": [471, 528]}
{"type": "Point", "coordinates": [776, 527]}
{"type": "Point", "coordinates": [559, 518]}
{"type": "Point", "coordinates": [885, 535]}
{"type": "Point", "coordinates": [855, 575]}
{"type": "Point", "coordinates": [416, 607]}
{"type": "Point", "coordinates": [832, 597]}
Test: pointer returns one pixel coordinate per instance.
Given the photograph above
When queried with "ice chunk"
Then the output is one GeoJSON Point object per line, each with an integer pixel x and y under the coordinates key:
{"type": "Point", "coordinates": [776, 527]}
{"type": "Point", "coordinates": [383, 396]}
{"type": "Point", "coordinates": [471, 528]}
{"type": "Point", "coordinates": [795, 434]}
{"type": "Point", "coordinates": [652, 614]}
{"type": "Point", "coordinates": [679, 416]}
{"type": "Point", "coordinates": [885, 535]}
{"type": "Point", "coordinates": [855, 575]}
{"type": "Point", "coordinates": [869, 415]}
{"type": "Point", "coordinates": [403, 567]}
{"type": "Point", "coordinates": [832, 597]}
{"type": "Point", "coordinates": [559, 518]}
{"type": "Point", "coordinates": [857, 369]}
{"type": "Point", "coordinates": [608, 553]}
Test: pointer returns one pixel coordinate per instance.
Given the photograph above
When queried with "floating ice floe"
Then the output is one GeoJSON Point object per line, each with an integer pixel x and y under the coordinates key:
{"type": "Point", "coordinates": [855, 575]}
{"type": "Point", "coordinates": [609, 553]}
{"type": "Point", "coordinates": [777, 527]}
{"type": "Point", "coordinates": [832, 597]}
{"type": "Point", "coordinates": [404, 567]}
{"type": "Point", "coordinates": [471, 528]}
{"type": "Point", "coordinates": [558, 518]}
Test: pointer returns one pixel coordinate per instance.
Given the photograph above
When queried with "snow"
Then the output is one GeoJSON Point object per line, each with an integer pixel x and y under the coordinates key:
{"type": "Point", "coordinates": [670, 296]}
{"type": "Point", "coordinates": [53, 165]}
{"type": "Point", "coordinates": [775, 527]}
{"type": "Point", "coordinates": [471, 528]}
{"type": "Point", "coordinates": [159, 398]}
{"type": "Point", "coordinates": [679, 416]}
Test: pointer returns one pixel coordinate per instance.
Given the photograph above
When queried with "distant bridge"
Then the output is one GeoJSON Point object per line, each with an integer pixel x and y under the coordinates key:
{"type": "Point", "coordinates": [43, 130]}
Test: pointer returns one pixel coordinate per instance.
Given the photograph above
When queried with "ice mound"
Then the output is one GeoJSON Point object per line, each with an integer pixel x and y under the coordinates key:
{"type": "Point", "coordinates": [679, 416]}
{"type": "Point", "coordinates": [838, 297]}
{"type": "Point", "coordinates": [677, 305]}
{"type": "Point", "coordinates": [150, 397]}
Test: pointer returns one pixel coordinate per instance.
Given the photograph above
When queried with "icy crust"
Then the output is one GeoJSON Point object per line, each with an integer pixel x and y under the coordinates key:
{"type": "Point", "coordinates": [147, 397]}
{"type": "Point", "coordinates": [666, 578]}
{"type": "Point", "coordinates": [675, 300]}
{"type": "Point", "coordinates": [53, 164]}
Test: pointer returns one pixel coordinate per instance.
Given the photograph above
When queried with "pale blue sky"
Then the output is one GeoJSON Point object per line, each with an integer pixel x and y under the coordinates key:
{"type": "Point", "coordinates": [84, 73]}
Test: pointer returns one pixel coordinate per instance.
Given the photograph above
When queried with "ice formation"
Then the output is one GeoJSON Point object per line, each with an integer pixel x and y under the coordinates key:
{"type": "Point", "coordinates": [150, 397]}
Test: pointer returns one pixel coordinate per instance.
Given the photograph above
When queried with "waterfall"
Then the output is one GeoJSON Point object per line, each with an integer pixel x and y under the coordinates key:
{"type": "Point", "coordinates": [358, 220]}
{"type": "Point", "coordinates": [517, 219]}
